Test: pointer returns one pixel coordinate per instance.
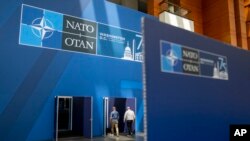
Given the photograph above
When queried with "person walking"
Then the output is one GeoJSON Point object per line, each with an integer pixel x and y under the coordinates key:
{"type": "Point", "coordinates": [129, 118]}
{"type": "Point", "coordinates": [114, 118]}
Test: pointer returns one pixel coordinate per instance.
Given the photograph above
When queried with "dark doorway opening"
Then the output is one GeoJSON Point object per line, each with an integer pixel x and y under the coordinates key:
{"type": "Point", "coordinates": [73, 117]}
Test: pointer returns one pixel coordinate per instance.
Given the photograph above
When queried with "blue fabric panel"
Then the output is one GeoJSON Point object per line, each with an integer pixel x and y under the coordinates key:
{"type": "Point", "coordinates": [32, 75]}
{"type": "Point", "coordinates": [190, 107]}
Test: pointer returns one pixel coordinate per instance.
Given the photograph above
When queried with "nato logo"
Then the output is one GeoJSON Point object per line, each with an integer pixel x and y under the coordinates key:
{"type": "Point", "coordinates": [171, 57]}
{"type": "Point", "coordinates": [41, 28]}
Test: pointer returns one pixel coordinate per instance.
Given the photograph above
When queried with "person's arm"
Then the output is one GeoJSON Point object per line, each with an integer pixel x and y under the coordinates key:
{"type": "Point", "coordinates": [133, 116]}
{"type": "Point", "coordinates": [124, 119]}
{"type": "Point", "coordinates": [110, 116]}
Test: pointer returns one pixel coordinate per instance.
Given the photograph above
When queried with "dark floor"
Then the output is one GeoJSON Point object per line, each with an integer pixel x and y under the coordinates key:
{"type": "Point", "coordinates": [122, 137]}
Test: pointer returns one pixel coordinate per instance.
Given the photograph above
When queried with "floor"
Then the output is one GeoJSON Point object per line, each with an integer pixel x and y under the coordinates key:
{"type": "Point", "coordinates": [122, 137]}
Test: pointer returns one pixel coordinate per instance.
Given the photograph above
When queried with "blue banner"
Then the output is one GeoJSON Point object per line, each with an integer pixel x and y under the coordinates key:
{"type": "Point", "coordinates": [176, 58]}
{"type": "Point", "coordinates": [195, 88]}
{"type": "Point", "coordinates": [48, 29]}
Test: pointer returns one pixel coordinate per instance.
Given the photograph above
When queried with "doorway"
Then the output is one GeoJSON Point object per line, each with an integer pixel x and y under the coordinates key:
{"type": "Point", "coordinates": [73, 117]}
{"type": "Point", "coordinates": [121, 104]}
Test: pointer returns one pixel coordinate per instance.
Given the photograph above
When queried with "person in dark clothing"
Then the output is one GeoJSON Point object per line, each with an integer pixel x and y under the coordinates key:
{"type": "Point", "coordinates": [129, 118]}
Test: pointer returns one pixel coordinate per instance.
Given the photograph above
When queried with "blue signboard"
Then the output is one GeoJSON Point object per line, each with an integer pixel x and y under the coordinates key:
{"type": "Point", "coordinates": [48, 29]}
{"type": "Point", "coordinates": [181, 102]}
{"type": "Point", "coordinates": [46, 54]}
{"type": "Point", "coordinates": [176, 58]}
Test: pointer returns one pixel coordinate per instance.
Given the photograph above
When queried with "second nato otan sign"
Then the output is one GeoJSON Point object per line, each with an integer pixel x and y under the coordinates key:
{"type": "Point", "coordinates": [184, 60]}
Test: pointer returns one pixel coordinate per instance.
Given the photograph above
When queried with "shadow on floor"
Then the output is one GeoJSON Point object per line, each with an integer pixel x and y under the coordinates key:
{"type": "Point", "coordinates": [122, 137]}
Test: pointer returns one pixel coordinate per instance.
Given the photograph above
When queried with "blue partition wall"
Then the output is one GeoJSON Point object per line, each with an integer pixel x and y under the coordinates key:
{"type": "Point", "coordinates": [196, 87]}
{"type": "Point", "coordinates": [30, 76]}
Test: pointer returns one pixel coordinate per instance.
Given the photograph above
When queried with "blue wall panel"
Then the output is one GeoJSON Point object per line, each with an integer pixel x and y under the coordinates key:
{"type": "Point", "coordinates": [31, 76]}
{"type": "Point", "coordinates": [187, 107]}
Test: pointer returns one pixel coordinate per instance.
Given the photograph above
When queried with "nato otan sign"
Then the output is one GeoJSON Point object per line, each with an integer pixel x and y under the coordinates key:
{"type": "Point", "coordinates": [48, 29]}
{"type": "Point", "coordinates": [179, 59]}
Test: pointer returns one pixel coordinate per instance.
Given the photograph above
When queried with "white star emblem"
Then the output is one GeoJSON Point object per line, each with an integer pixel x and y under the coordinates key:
{"type": "Point", "coordinates": [171, 57]}
{"type": "Point", "coordinates": [43, 29]}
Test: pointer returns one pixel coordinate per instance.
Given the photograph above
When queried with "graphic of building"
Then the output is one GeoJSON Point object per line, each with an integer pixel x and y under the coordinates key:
{"type": "Point", "coordinates": [127, 53]}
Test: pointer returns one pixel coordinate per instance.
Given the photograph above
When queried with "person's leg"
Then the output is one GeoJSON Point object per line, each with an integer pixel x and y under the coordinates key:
{"type": "Point", "coordinates": [112, 127]}
{"type": "Point", "coordinates": [117, 129]}
{"type": "Point", "coordinates": [129, 124]}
